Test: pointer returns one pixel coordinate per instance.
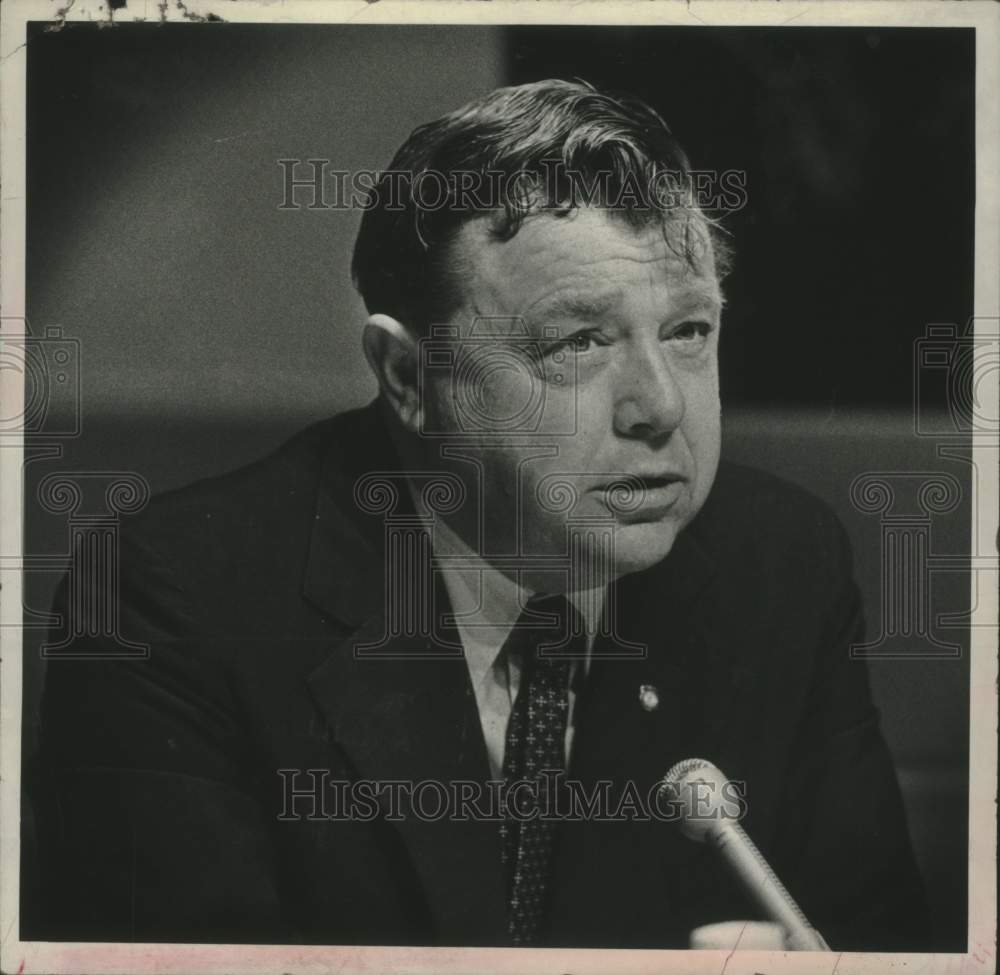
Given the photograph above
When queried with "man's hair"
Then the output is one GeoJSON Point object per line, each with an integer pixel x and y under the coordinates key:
{"type": "Point", "coordinates": [550, 146]}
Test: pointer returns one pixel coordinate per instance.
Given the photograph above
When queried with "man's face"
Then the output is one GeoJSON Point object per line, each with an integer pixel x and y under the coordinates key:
{"type": "Point", "coordinates": [586, 354]}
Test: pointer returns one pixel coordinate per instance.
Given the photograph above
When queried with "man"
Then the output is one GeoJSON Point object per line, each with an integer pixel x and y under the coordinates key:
{"type": "Point", "coordinates": [522, 564]}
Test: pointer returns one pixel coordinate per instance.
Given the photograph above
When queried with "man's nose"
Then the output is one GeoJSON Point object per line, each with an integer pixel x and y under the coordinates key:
{"type": "Point", "coordinates": [649, 403]}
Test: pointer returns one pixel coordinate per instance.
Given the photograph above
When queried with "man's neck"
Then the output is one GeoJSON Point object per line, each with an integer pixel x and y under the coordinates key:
{"type": "Point", "coordinates": [481, 593]}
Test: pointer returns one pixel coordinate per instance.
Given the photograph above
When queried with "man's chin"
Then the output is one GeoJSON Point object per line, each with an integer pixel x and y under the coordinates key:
{"type": "Point", "coordinates": [641, 545]}
{"type": "Point", "coordinates": [635, 547]}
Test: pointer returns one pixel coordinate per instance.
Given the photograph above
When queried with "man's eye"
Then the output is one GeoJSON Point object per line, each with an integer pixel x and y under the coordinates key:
{"type": "Point", "coordinates": [690, 331]}
{"type": "Point", "coordinates": [577, 344]}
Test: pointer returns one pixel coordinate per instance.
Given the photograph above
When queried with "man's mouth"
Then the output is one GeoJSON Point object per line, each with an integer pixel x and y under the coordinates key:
{"type": "Point", "coordinates": [642, 497]}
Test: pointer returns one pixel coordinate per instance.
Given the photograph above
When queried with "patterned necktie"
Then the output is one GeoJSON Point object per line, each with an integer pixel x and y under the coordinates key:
{"type": "Point", "coordinates": [536, 734]}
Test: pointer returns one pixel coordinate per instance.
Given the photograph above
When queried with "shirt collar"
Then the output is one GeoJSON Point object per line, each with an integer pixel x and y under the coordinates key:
{"type": "Point", "coordinates": [485, 601]}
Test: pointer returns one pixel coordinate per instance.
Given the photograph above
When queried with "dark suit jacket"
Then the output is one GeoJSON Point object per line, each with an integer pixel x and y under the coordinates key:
{"type": "Point", "coordinates": [160, 796]}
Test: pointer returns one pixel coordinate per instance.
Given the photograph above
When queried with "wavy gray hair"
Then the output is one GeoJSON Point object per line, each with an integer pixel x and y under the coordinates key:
{"type": "Point", "coordinates": [546, 147]}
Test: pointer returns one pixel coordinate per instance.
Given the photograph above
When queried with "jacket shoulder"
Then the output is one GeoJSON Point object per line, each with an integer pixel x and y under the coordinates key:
{"type": "Point", "coordinates": [232, 549]}
{"type": "Point", "coordinates": [268, 482]}
{"type": "Point", "coordinates": [766, 524]}
{"type": "Point", "coordinates": [265, 501]}
{"type": "Point", "coordinates": [762, 503]}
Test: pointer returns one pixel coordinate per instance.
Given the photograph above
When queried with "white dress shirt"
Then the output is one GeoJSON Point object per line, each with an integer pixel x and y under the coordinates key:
{"type": "Point", "coordinates": [487, 604]}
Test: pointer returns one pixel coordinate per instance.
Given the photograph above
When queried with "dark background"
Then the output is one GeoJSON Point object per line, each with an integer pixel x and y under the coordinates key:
{"type": "Point", "coordinates": [857, 146]}
{"type": "Point", "coordinates": [209, 325]}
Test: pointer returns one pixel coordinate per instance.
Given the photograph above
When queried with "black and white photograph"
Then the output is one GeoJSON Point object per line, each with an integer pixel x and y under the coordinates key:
{"type": "Point", "coordinates": [499, 487]}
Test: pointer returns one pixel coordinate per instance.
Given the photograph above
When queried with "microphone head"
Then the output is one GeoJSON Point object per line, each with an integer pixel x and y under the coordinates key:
{"type": "Point", "coordinates": [694, 789]}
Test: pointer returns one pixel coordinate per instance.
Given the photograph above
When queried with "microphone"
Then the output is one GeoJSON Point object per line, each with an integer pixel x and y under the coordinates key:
{"type": "Point", "coordinates": [705, 818]}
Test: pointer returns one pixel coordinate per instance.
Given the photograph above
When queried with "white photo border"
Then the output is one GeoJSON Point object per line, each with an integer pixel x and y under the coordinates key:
{"type": "Point", "coordinates": [31, 957]}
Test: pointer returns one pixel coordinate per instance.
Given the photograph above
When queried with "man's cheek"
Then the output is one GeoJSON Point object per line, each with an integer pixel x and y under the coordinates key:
{"type": "Point", "coordinates": [438, 403]}
{"type": "Point", "coordinates": [702, 414]}
{"type": "Point", "coordinates": [507, 398]}
{"type": "Point", "coordinates": [570, 407]}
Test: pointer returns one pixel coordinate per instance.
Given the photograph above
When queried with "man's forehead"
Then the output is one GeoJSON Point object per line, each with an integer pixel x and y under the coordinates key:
{"type": "Point", "coordinates": [582, 266]}
{"type": "Point", "coordinates": [588, 303]}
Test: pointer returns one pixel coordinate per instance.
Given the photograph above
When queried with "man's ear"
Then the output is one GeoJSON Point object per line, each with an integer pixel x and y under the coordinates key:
{"type": "Point", "coordinates": [391, 351]}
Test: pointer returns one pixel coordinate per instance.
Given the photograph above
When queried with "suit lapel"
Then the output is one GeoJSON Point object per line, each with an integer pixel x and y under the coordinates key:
{"type": "Point", "coordinates": [403, 710]}
{"type": "Point", "coordinates": [660, 610]}
{"type": "Point", "coordinates": [408, 718]}
{"type": "Point", "coordinates": [620, 877]}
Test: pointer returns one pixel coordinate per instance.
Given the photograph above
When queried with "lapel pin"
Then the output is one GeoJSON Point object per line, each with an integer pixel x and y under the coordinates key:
{"type": "Point", "coordinates": [649, 697]}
